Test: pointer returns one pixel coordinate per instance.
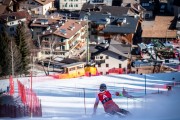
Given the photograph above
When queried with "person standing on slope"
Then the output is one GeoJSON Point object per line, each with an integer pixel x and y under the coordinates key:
{"type": "Point", "coordinates": [106, 99]}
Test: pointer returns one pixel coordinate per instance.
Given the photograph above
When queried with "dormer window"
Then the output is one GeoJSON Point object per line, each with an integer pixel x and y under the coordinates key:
{"type": "Point", "coordinates": [145, 4]}
{"type": "Point", "coordinates": [33, 3]}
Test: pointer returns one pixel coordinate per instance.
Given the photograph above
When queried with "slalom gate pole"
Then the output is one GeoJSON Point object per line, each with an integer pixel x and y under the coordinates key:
{"type": "Point", "coordinates": [84, 101]}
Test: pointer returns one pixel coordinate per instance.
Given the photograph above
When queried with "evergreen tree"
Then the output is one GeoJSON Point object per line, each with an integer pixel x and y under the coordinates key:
{"type": "Point", "coordinates": [14, 58]}
{"type": "Point", "coordinates": [10, 56]}
{"type": "Point", "coordinates": [22, 40]}
{"type": "Point", "coordinates": [4, 63]}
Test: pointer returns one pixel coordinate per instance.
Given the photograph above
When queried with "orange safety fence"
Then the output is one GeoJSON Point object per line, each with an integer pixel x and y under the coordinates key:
{"type": "Point", "coordinates": [29, 99]}
{"type": "Point", "coordinates": [116, 70]}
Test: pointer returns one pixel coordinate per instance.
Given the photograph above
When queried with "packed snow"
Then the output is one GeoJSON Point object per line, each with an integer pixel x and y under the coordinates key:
{"type": "Point", "coordinates": [73, 99]}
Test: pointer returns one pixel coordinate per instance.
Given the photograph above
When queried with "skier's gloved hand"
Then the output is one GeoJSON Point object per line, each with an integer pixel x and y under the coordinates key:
{"type": "Point", "coordinates": [118, 94]}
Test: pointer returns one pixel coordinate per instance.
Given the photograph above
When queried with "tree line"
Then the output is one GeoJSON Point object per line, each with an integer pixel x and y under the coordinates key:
{"type": "Point", "coordinates": [15, 51]}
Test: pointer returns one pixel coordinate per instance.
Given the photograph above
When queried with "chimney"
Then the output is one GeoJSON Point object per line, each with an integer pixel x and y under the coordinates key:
{"type": "Point", "coordinates": [124, 20]}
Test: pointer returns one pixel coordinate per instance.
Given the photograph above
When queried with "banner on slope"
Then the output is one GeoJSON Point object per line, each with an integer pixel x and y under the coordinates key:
{"type": "Point", "coordinates": [11, 85]}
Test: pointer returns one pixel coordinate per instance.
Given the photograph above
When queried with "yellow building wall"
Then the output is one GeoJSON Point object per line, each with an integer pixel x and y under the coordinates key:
{"type": "Point", "coordinates": [72, 74]}
{"type": "Point", "coordinates": [91, 70]}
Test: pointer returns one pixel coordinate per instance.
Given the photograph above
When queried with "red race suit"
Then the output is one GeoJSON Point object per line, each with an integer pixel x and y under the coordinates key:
{"type": "Point", "coordinates": [106, 99]}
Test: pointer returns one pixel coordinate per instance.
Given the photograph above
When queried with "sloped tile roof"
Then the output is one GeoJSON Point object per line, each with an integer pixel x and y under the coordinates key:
{"type": "Point", "coordinates": [15, 16]}
{"type": "Point", "coordinates": [50, 21]}
{"type": "Point", "coordinates": [121, 49]}
{"type": "Point", "coordinates": [87, 6]}
{"type": "Point", "coordinates": [115, 47]}
{"type": "Point", "coordinates": [128, 27]}
{"type": "Point", "coordinates": [66, 26]}
{"type": "Point", "coordinates": [114, 10]}
{"type": "Point", "coordinates": [44, 2]}
{"type": "Point", "coordinates": [77, 25]}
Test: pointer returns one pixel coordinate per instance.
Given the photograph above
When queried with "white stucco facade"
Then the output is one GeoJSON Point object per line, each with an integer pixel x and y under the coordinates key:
{"type": "Point", "coordinates": [62, 47]}
{"type": "Point", "coordinates": [35, 7]}
{"type": "Point", "coordinates": [71, 5]}
{"type": "Point", "coordinates": [110, 60]}
{"type": "Point", "coordinates": [12, 25]}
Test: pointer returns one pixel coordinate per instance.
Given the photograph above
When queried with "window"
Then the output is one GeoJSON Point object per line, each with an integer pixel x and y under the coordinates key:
{"type": "Point", "coordinates": [97, 57]}
{"type": "Point", "coordinates": [120, 66]}
{"type": "Point", "coordinates": [46, 38]}
{"type": "Point", "coordinates": [163, 6]}
{"type": "Point", "coordinates": [107, 65]}
{"type": "Point", "coordinates": [33, 3]}
{"type": "Point", "coordinates": [107, 57]}
{"type": "Point", "coordinates": [63, 47]}
{"type": "Point", "coordinates": [147, 16]}
{"type": "Point", "coordinates": [12, 29]}
{"type": "Point", "coordinates": [145, 4]}
{"type": "Point", "coordinates": [99, 65]}
{"type": "Point", "coordinates": [80, 67]}
{"type": "Point", "coordinates": [47, 52]}
{"type": "Point", "coordinates": [62, 40]}
{"type": "Point", "coordinates": [46, 45]}
{"type": "Point", "coordinates": [72, 69]}
{"type": "Point", "coordinates": [101, 57]}
{"type": "Point", "coordinates": [65, 5]}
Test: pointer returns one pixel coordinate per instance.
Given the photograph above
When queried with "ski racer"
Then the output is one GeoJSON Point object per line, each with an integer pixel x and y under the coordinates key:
{"type": "Point", "coordinates": [106, 99]}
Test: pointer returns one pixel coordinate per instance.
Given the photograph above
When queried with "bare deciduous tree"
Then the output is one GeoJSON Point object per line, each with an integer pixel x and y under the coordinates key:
{"type": "Point", "coordinates": [52, 43]}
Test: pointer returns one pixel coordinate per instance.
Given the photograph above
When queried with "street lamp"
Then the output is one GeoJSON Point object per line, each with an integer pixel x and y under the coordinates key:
{"type": "Point", "coordinates": [87, 40]}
